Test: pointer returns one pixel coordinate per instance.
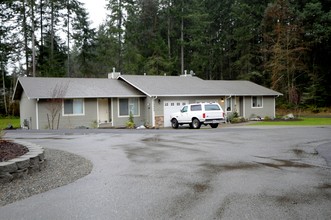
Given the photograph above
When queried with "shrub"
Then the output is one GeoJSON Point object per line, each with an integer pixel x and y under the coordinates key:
{"type": "Point", "coordinates": [238, 120]}
{"type": "Point", "coordinates": [267, 118]}
{"type": "Point", "coordinates": [130, 122]}
{"type": "Point", "coordinates": [94, 124]}
{"type": "Point", "coordinates": [232, 116]}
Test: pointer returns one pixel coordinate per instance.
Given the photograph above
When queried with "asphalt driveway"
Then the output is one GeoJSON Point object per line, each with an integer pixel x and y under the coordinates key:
{"type": "Point", "coordinates": [226, 173]}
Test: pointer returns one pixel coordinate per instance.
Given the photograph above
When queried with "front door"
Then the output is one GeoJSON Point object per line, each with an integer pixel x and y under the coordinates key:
{"type": "Point", "coordinates": [103, 111]}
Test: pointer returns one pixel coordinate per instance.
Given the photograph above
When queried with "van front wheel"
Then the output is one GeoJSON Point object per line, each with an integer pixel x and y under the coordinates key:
{"type": "Point", "coordinates": [174, 123]}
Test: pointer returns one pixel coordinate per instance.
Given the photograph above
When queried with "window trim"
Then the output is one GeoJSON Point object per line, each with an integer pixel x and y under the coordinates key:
{"type": "Point", "coordinates": [125, 116]}
{"type": "Point", "coordinates": [256, 103]}
{"type": "Point", "coordinates": [80, 114]}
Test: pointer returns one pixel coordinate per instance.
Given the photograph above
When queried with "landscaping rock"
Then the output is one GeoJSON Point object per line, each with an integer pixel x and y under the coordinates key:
{"type": "Point", "coordinates": [6, 177]}
{"type": "Point", "coordinates": [8, 167]}
{"type": "Point", "coordinates": [288, 116]}
{"type": "Point", "coordinates": [22, 163]}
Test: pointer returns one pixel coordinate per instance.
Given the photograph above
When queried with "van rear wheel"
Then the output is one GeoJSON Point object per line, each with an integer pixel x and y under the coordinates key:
{"type": "Point", "coordinates": [214, 125]}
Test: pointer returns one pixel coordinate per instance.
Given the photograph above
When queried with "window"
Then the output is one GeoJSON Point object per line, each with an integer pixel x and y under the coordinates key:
{"type": "Point", "coordinates": [257, 102]}
{"type": "Point", "coordinates": [184, 109]}
{"type": "Point", "coordinates": [73, 107]}
{"type": "Point", "coordinates": [228, 104]}
{"type": "Point", "coordinates": [129, 105]}
{"type": "Point", "coordinates": [211, 107]}
{"type": "Point", "coordinates": [195, 107]}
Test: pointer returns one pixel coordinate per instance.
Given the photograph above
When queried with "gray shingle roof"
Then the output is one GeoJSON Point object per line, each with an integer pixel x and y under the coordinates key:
{"type": "Point", "coordinates": [42, 88]}
{"type": "Point", "coordinates": [241, 88]}
{"type": "Point", "coordinates": [194, 86]}
{"type": "Point", "coordinates": [169, 85]}
{"type": "Point", "coordinates": [136, 86]}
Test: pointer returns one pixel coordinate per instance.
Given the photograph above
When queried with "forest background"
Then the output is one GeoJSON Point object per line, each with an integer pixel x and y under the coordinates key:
{"type": "Point", "coordinates": [281, 44]}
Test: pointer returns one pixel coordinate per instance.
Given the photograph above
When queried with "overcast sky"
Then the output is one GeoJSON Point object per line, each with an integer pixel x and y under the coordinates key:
{"type": "Point", "coordinates": [96, 10]}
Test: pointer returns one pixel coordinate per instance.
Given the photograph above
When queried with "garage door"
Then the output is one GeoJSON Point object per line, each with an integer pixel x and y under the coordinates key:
{"type": "Point", "coordinates": [171, 107]}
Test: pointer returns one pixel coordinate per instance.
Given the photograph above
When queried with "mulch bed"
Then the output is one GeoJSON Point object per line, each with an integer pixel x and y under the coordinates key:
{"type": "Point", "coordinates": [10, 150]}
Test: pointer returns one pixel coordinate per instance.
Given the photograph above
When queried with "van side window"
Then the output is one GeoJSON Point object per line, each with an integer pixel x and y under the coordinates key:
{"type": "Point", "coordinates": [212, 107]}
{"type": "Point", "coordinates": [195, 107]}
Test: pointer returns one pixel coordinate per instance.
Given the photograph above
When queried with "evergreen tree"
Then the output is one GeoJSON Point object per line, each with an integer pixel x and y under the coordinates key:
{"type": "Point", "coordinates": [84, 38]}
{"type": "Point", "coordinates": [285, 49]}
{"type": "Point", "coordinates": [105, 51]}
{"type": "Point", "coordinates": [316, 20]}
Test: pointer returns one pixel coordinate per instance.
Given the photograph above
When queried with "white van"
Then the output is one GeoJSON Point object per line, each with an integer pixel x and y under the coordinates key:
{"type": "Point", "coordinates": [197, 114]}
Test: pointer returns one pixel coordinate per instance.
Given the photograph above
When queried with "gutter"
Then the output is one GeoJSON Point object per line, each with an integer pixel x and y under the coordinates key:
{"type": "Point", "coordinates": [37, 113]}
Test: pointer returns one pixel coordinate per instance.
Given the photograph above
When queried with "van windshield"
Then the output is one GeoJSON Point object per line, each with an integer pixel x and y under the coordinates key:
{"type": "Point", "coordinates": [184, 109]}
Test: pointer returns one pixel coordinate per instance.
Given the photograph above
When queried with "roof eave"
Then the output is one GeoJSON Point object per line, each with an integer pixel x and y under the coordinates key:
{"type": "Point", "coordinates": [133, 85]}
{"type": "Point", "coordinates": [16, 95]}
{"type": "Point", "coordinates": [189, 95]}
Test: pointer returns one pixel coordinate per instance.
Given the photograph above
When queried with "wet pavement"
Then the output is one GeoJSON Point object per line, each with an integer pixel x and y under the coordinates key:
{"type": "Point", "coordinates": [227, 173]}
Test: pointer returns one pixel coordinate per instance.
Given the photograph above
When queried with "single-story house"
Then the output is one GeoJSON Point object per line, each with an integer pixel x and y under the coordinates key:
{"type": "Point", "coordinates": [94, 102]}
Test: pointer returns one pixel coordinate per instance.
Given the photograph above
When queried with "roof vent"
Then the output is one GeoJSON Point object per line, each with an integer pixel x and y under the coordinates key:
{"type": "Point", "coordinates": [114, 75]}
{"type": "Point", "coordinates": [185, 73]}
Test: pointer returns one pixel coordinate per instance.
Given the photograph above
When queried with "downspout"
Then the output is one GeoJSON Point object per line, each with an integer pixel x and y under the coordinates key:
{"type": "Point", "coordinates": [275, 106]}
{"type": "Point", "coordinates": [112, 111]}
{"type": "Point", "coordinates": [226, 102]}
{"type": "Point", "coordinates": [153, 110]}
{"type": "Point", "coordinates": [98, 116]}
{"type": "Point", "coordinates": [244, 106]}
{"type": "Point", "coordinates": [226, 110]}
{"type": "Point", "coordinates": [37, 114]}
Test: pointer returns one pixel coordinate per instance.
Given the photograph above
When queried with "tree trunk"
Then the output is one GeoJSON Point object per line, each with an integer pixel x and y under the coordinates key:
{"type": "Point", "coordinates": [33, 41]}
{"type": "Point", "coordinates": [3, 86]}
{"type": "Point", "coordinates": [58, 121]}
{"type": "Point", "coordinates": [120, 35]}
{"type": "Point", "coordinates": [68, 37]}
{"type": "Point", "coordinates": [25, 39]}
{"type": "Point", "coordinates": [41, 52]}
{"type": "Point", "coordinates": [182, 42]}
{"type": "Point", "coordinates": [52, 36]}
{"type": "Point", "coordinates": [168, 34]}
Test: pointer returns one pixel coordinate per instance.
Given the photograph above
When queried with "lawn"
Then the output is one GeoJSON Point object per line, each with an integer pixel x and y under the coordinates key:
{"type": "Point", "coordinates": [305, 121]}
{"type": "Point", "coordinates": [4, 122]}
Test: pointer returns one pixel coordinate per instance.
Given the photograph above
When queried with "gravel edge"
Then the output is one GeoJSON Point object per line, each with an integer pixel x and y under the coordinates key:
{"type": "Point", "coordinates": [61, 169]}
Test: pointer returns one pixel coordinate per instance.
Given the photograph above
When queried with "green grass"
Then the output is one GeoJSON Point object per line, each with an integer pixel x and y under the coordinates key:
{"type": "Point", "coordinates": [15, 122]}
{"type": "Point", "coordinates": [304, 121]}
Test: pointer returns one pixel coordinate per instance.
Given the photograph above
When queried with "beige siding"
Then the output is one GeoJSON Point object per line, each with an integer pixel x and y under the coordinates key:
{"type": "Point", "coordinates": [268, 108]}
{"type": "Point", "coordinates": [150, 110]}
{"type": "Point", "coordinates": [28, 111]}
{"type": "Point", "coordinates": [87, 120]}
{"type": "Point", "coordinates": [120, 121]}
